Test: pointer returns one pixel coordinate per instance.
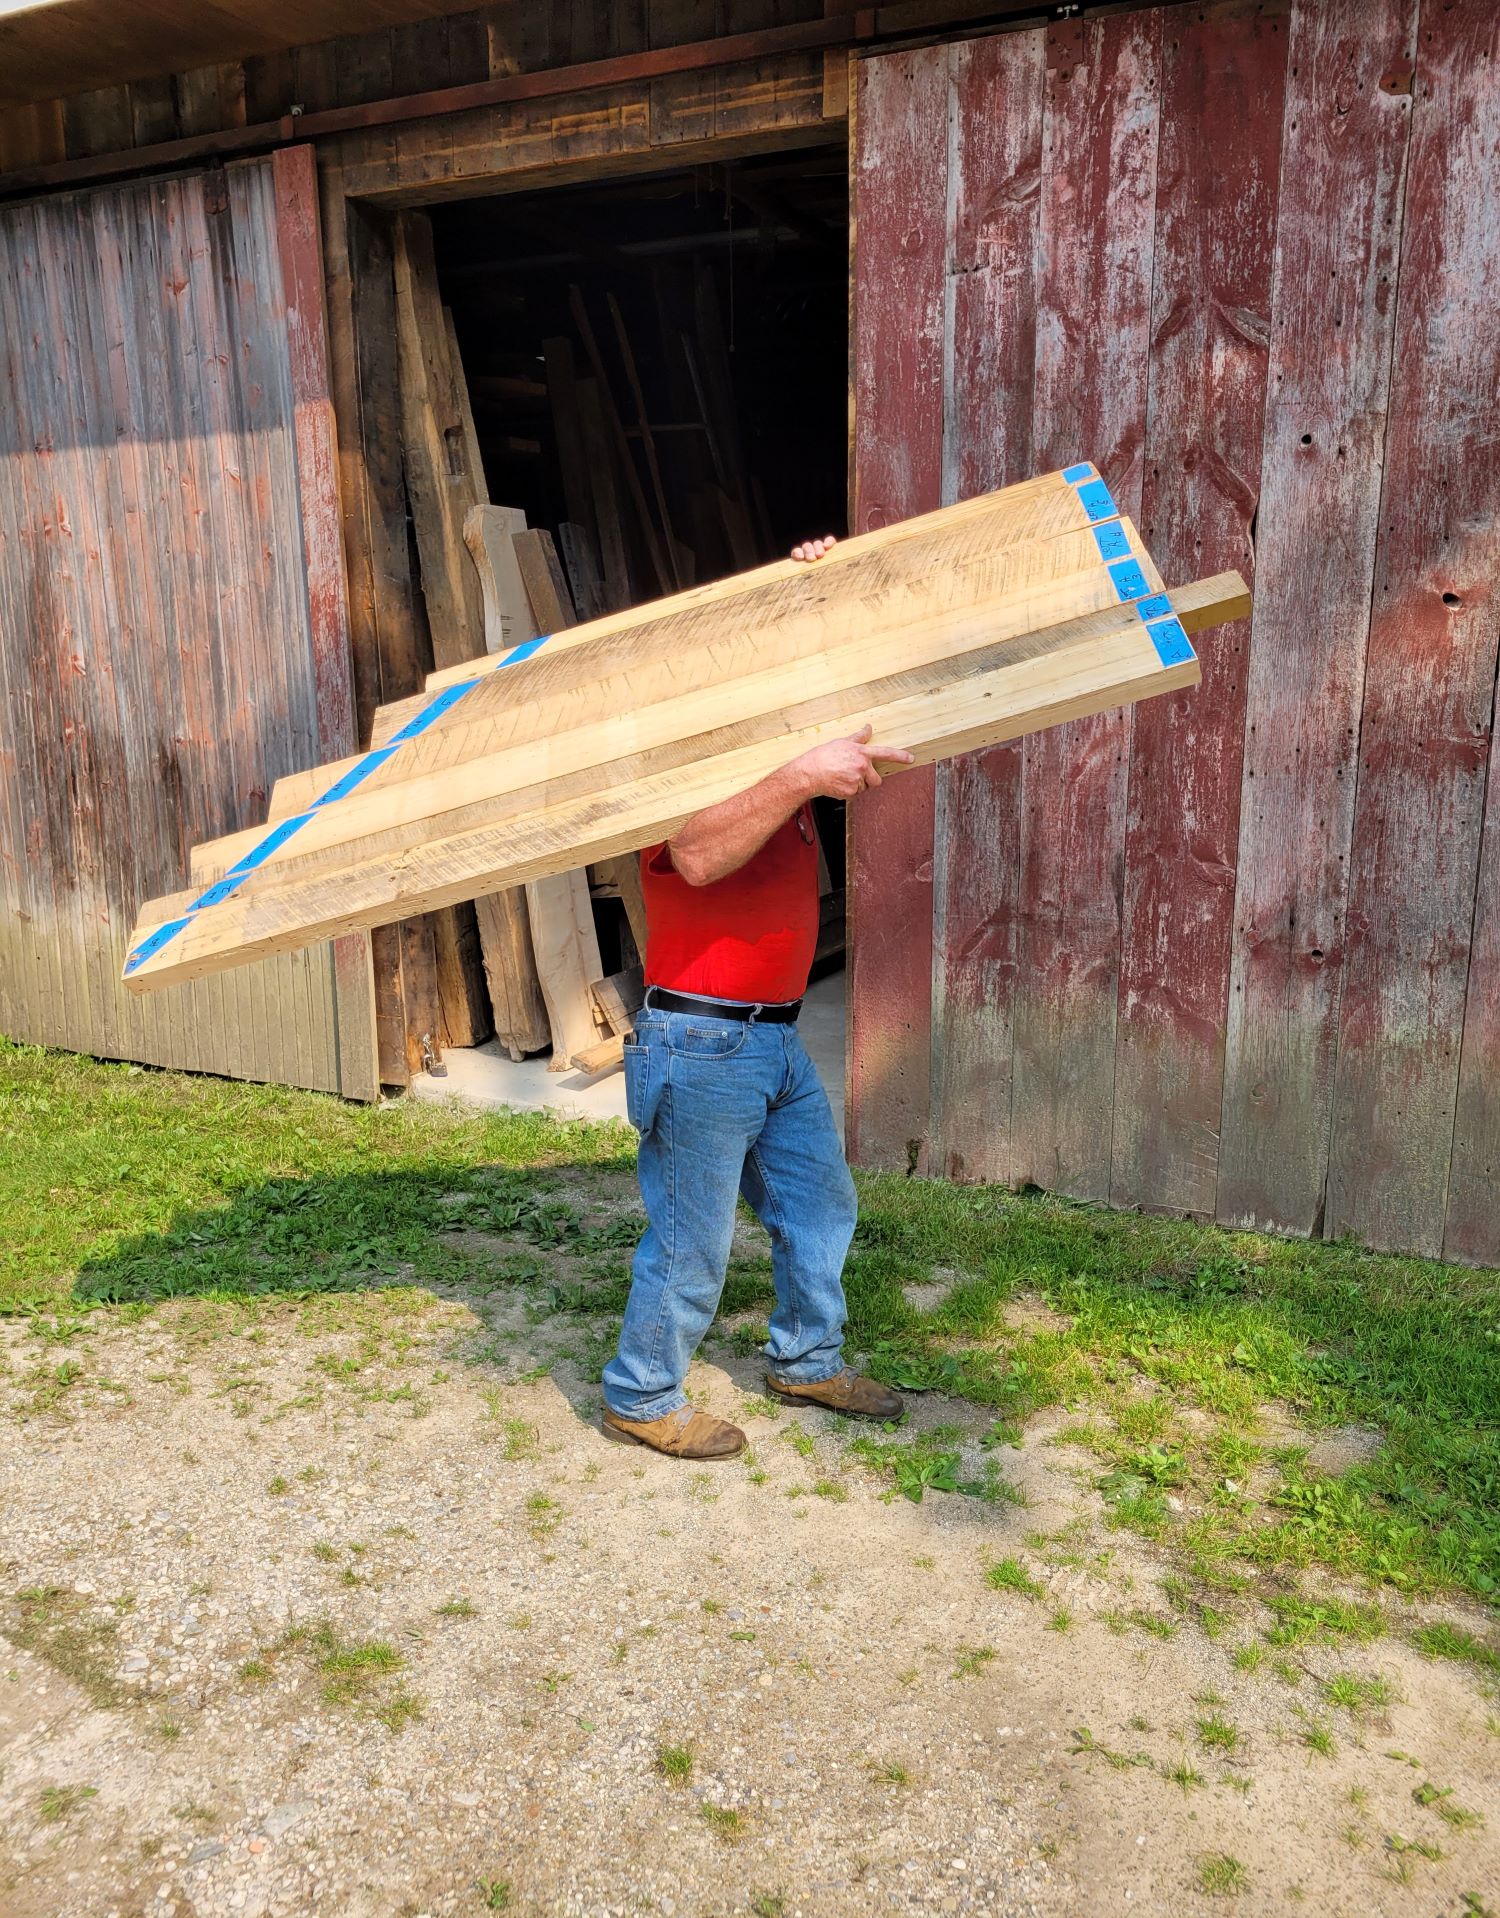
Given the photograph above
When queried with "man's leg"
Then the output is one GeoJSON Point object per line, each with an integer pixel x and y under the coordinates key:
{"type": "Point", "coordinates": [699, 1098]}
{"type": "Point", "coordinates": [797, 1182]}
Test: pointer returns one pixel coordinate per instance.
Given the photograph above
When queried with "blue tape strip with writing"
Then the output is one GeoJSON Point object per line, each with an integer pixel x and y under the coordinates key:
{"type": "Point", "coordinates": [283, 830]}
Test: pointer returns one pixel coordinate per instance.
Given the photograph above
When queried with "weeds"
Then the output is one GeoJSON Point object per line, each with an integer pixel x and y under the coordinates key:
{"type": "Point", "coordinates": [1222, 1876]}
{"type": "Point", "coordinates": [1010, 1575]}
{"type": "Point", "coordinates": [675, 1763]}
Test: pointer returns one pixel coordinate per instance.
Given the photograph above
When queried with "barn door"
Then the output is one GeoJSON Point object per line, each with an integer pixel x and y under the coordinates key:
{"type": "Point", "coordinates": [173, 623]}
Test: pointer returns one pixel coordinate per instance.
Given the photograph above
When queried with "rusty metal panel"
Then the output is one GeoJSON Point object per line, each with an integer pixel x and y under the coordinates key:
{"type": "Point", "coordinates": [170, 625]}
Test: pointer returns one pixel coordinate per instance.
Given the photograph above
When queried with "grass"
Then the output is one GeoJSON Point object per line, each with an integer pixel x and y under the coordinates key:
{"type": "Point", "coordinates": [1221, 1876]}
{"type": "Point", "coordinates": [675, 1763]}
{"type": "Point", "coordinates": [57, 1802]}
{"type": "Point", "coordinates": [162, 1186]}
{"type": "Point", "coordinates": [1010, 1575]}
{"type": "Point", "coordinates": [54, 1625]}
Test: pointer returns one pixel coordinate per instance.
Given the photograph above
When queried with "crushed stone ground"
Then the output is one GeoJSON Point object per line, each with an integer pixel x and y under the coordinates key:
{"type": "Point", "coordinates": [228, 1503]}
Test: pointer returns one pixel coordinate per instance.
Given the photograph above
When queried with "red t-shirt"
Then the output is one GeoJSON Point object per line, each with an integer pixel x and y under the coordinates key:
{"type": "Point", "coordinates": [750, 935]}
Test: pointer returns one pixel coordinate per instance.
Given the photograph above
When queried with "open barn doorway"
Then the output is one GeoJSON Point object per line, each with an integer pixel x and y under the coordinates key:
{"type": "Point", "coordinates": [656, 369]}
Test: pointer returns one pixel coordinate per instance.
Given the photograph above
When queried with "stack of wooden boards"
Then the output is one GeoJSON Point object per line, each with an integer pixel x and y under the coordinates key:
{"type": "Point", "coordinates": [483, 570]}
{"type": "Point", "coordinates": [947, 633]}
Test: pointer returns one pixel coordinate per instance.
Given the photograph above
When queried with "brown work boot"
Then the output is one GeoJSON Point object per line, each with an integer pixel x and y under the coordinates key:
{"type": "Point", "coordinates": [846, 1392]}
{"type": "Point", "coordinates": [680, 1434]}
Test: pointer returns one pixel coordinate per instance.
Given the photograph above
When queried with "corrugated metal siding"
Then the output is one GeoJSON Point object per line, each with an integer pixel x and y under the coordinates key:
{"type": "Point", "coordinates": [1228, 954]}
{"type": "Point", "coordinates": [156, 641]}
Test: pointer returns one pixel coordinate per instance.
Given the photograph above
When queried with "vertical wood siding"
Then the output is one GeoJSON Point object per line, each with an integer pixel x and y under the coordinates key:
{"type": "Point", "coordinates": [899, 209]}
{"type": "Point", "coordinates": [1234, 954]}
{"type": "Point", "coordinates": [172, 632]}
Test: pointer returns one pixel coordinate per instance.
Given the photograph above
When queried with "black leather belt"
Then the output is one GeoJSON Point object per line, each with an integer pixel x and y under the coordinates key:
{"type": "Point", "coordinates": [658, 999]}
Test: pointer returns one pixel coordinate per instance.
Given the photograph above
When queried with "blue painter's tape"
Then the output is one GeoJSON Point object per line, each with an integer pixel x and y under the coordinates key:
{"type": "Point", "coordinates": [524, 651]}
{"type": "Point", "coordinates": [356, 775]}
{"type": "Point", "coordinates": [1172, 644]}
{"type": "Point", "coordinates": [221, 889]}
{"type": "Point", "coordinates": [274, 839]}
{"type": "Point", "coordinates": [283, 831]}
{"type": "Point", "coordinates": [148, 948]}
{"type": "Point", "coordinates": [1096, 501]}
{"type": "Point", "coordinates": [1076, 475]}
{"type": "Point", "coordinates": [1109, 537]}
{"type": "Point", "coordinates": [433, 711]}
{"type": "Point", "coordinates": [1158, 606]}
{"type": "Point", "coordinates": [1130, 581]}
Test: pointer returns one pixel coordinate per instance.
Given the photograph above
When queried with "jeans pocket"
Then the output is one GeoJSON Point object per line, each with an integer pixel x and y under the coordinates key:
{"type": "Point", "coordinates": [720, 1040]}
{"type": "Point", "coordinates": [637, 1071]}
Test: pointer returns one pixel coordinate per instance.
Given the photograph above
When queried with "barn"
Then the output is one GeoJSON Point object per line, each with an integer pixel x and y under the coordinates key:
{"type": "Point", "coordinates": [1234, 954]}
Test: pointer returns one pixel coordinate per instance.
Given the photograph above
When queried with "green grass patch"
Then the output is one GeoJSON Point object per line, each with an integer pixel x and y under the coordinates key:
{"type": "Point", "coordinates": [1010, 1575]}
{"type": "Point", "coordinates": [162, 1186]}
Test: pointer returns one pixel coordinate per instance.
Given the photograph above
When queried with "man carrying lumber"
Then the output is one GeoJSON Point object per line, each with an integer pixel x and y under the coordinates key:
{"type": "Point", "coordinates": [726, 1101]}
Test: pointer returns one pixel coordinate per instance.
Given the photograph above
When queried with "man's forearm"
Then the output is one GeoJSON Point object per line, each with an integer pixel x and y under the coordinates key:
{"type": "Point", "coordinates": [720, 839]}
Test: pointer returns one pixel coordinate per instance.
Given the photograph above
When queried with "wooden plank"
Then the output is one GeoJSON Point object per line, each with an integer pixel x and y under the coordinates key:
{"type": "Point", "coordinates": [572, 456]}
{"type": "Point", "coordinates": [463, 409]}
{"type": "Point", "coordinates": [299, 246]}
{"type": "Point", "coordinates": [619, 589]}
{"type": "Point", "coordinates": [1325, 439]}
{"type": "Point", "coordinates": [620, 997]}
{"type": "Point", "coordinates": [489, 534]}
{"type": "Point", "coordinates": [1210, 325]}
{"type": "Point", "coordinates": [604, 1057]}
{"type": "Point", "coordinates": [898, 235]}
{"type": "Point", "coordinates": [442, 483]}
{"type": "Point", "coordinates": [211, 97]}
{"type": "Point", "coordinates": [1099, 660]}
{"type": "Point", "coordinates": [439, 481]}
{"type": "Point", "coordinates": [97, 122]}
{"type": "Point", "coordinates": [1097, 215]}
{"type": "Point", "coordinates": [994, 195]}
{"type": "Point", "coordinates": [567, 959]}
{"type": "Point", "coordinates": [542, 579]}
{"type": "Point", "coordinates": [682, 104]}
{"type": "Point", "coordinates": [1427, 721]}
{"type": "Point", "coordinates": [1037, 509]}
{"type": "Point", "coordinates": [502, 918]}
{"type": "Point", "coordinates": [752, 655]}
{"type": "Point", "coordinates": [582, 570]}
{"type": "Point", "coordinates": [385, 647]}
{"type": "Point", "coordinates": [516, 1004]}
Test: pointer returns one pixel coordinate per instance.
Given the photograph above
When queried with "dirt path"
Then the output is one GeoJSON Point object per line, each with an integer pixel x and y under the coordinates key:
{"type": "Point", "coordinates": [345, 1608]}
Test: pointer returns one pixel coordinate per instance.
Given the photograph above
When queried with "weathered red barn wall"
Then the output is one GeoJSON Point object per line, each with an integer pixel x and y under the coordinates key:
{"type": "Point", "coordinates": [1233, 953]}
{"type": "Point", "coordinates": [173, 628]}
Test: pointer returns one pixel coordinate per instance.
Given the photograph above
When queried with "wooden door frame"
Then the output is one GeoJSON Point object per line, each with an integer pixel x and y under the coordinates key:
{"type": "Point", "coordinates": [650, 126]}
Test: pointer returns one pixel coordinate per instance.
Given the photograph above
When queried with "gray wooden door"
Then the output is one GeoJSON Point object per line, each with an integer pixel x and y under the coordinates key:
{"type": "Point", "coordinates": [173, 622]}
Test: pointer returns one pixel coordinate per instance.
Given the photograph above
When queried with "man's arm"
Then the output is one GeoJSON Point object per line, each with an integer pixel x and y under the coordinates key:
{"type": "Point", "coordinates": [720, 839]}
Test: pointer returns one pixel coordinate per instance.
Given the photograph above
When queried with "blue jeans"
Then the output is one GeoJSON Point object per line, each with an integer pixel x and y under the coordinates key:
{"type": "Point", "coordinates": [725, 1108]}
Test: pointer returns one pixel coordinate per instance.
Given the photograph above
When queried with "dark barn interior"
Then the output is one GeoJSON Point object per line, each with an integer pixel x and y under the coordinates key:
{"type": "Point", "coordinates": [657, 368]}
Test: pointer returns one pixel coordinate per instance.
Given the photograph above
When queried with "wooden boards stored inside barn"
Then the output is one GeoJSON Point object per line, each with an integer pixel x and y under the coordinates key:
{"type": "Point", "coordinates": [947, 633]}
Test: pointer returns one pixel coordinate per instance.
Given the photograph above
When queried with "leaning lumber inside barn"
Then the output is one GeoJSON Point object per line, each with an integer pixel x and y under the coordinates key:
{"type": "Point", "coordinates": [1234, 955]}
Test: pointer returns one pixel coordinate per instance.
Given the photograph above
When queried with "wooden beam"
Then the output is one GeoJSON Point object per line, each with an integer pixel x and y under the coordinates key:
{"type": "Point", "coordinates": [490, 534]}
{"type": "Point", "coordinates": [800, 634]}
{"type": "Point", "coordinates": [477, 788]}
{"type": "Point", "coordinates": [438, 444]}
{"type": "Point", "coordinates": [1100, 661]}
{"type": "Point", "coordinates": [567, 959]}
